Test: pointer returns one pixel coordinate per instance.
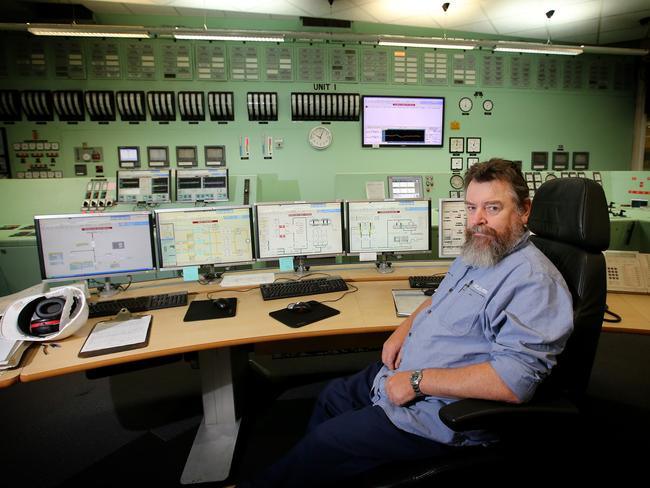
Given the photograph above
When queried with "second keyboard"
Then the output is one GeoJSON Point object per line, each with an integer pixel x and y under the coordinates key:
{"type": "Point", "coordinates": [137, 304]}
{"type": "Point", "coordinates": [289, 289]}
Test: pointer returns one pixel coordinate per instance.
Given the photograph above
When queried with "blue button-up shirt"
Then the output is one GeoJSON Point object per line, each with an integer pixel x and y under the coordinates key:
{"type": "Point", "coordinates": [516, 316]}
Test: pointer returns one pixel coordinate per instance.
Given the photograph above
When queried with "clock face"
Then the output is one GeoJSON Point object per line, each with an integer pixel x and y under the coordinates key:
{"type": "Point", "coordinates": [465, 104]}
{"type": "Point", "coordinates": [488, 105]}
{"type": "Point", "coordinates": [320, 137]}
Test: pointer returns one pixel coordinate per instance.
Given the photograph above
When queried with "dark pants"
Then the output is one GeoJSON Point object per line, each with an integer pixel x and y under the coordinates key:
{"type": "Point", "coordinates": [346, 436]}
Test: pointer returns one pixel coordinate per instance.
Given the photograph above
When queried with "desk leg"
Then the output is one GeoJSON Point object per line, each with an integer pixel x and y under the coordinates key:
{"type": "Point", "coordinates": [212, 451]}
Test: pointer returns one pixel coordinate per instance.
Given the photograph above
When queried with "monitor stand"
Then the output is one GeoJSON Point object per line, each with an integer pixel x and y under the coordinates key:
{"type": "Point", "coordinates": [108, 289]}
{"type": "Point", "coordinates": [299, 265]}
{"type": "Point", "coordinates": [383, 264]}
{"type": "Point", "coordinates": [209, 275]}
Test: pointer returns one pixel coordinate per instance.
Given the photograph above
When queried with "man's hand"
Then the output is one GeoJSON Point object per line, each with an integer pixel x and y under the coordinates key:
{"type": "Point", "coordinates": [391, 353]}
{"type": "Point", "coordinates": [399, 389]}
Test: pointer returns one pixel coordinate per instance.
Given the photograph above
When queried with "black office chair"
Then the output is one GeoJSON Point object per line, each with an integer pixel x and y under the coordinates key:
{"type": "Point", "coordinates": [570, 222]}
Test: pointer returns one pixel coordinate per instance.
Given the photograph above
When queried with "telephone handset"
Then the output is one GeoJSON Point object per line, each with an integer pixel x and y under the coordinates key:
{"type": "Point", "coordinates": [628, 271]}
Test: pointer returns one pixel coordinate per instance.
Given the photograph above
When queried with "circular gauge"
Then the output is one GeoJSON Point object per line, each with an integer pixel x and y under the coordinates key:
{"type": "Point", "coordinates": [550, 177]}
{"type": "Point", "coordinates": [456, 182]}
{"type": "Point", "coordinates": [320, 137]}
{"type": "Point", "coordinates": [488, 105]}
{"type": "Point", "coordinates": [466, 104]}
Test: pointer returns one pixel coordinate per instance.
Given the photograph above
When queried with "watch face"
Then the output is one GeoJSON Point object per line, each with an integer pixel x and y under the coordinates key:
{"type": "Point", "coordinates": [465, 104]}
{"type": "Point", "coordinates": [320, 137]}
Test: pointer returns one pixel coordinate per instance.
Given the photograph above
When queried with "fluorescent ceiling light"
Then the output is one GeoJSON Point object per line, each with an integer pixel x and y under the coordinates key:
{"type": "Point", "coordinates": [206, 36]}
{"type": "Point", "coordinates": [536, 48]}
{"type": "Point", "coordinates": [433, 43]}
{"type": "Point", "coordinates": [77, 30]}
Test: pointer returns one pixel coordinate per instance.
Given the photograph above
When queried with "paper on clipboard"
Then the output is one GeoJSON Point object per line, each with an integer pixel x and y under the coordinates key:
{"type": "Point", "coordinates": [117, 335]}
{"type": "Point", "coordinates": [407, 301]}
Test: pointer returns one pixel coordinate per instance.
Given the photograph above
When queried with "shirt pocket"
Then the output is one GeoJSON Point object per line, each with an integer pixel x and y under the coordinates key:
{"type": "Point", "coordinates": [462, 310]}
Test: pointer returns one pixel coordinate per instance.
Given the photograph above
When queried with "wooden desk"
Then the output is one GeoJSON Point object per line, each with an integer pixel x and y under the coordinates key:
{"type": "Point", "coordinates": [366, 311]}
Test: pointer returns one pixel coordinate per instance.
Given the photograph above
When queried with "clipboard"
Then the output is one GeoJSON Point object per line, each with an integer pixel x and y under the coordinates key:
{"type": "Point", "coordinates": [123, 333]}
{"type": "Point", "coordinates": [292, 319]}
{"type": "Point", "coordinates": [407, 301]}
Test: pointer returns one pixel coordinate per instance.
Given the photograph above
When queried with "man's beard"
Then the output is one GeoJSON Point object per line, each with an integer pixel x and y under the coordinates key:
{"type": "Point", "coordinates": [482, 251]}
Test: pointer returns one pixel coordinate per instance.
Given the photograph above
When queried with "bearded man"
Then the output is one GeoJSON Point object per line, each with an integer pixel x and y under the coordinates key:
{"type": "Point", "coordinates": [492, 330]}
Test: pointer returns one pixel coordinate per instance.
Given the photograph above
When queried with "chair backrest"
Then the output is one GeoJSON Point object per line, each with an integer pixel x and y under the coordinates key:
{"type": "Point", "coordinates": [570, 223]}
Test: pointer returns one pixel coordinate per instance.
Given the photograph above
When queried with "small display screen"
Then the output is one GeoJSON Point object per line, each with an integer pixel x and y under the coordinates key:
{"type": "Point", "coordinates": [186, 153]}
{"type": "Point", "coordinates": [157, 154]}
{"type": "Point", "coordinates": [129, 154]}
{"type": "Point", "coordinates": [214, 153]}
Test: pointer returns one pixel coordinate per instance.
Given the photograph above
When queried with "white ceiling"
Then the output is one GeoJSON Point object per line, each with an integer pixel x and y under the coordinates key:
{"type": "Point", "coordinates": [594, 22]}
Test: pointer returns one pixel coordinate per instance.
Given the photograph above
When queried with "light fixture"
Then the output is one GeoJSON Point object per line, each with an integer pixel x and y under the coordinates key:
{"type": "Point", "coordinates": [430, 42]}
{"type": "Point", "coordinates": [85, 30]}
{"type": "Point", "coordinates": [207, 35]}
{"type": "Point", "coordinates": [537, 48]}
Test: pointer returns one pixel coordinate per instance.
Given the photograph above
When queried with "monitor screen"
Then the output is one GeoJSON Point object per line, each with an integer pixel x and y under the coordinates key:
{"type": "Point", "coordinates": [144, 186]}
{"type": "Point", "coordinates": [299, 229]}
{"type": "Point", "coordinates": [128, 156]}
{"type": "Point", "coordinates": [402, 121]}
{"type": "Point", "coordinates": [94, 245]}
{"type": "Point", "coordinates": [205, 185]}
{"type": "Point", "coordinates": [158, 155]}
{"type": "Point", "coordinates": [206, 235]}
{"type": "Point", "coordinates": [389, 226]}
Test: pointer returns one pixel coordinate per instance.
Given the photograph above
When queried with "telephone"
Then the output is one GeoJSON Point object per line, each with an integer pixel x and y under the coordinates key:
{"type": "Point", "coordinates": [628, 271]}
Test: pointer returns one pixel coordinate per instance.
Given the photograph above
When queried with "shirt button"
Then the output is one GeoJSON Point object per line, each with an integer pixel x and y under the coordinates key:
{"type": "Point", "coordinates": [410, 334]}
{"type": "Point", "coordinates": [450, 290]}
{"type": "Point", "coordinates": [428, 311]}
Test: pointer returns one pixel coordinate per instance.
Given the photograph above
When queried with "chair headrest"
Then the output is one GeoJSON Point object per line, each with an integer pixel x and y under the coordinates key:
{"type": "Point", "coordinates": [571, 210]}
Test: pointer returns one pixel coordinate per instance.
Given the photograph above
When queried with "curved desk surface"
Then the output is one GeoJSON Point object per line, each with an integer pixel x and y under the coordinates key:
{"type": "Point", "coordinates": [369, 310]}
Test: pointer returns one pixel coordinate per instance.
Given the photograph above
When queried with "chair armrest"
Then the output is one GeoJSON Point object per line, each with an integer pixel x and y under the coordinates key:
{"type": "Point", "coordinates": [471, 414]}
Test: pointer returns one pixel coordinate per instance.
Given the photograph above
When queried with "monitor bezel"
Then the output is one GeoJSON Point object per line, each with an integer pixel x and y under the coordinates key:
{"type": "Point", "coordinates": [157, 212]}
{"type": "Point", "coordinates": [404, 97]}
{"type": "Point", "coordinates": [143, 170]}
{"type": "Point", "coordinates": [39, 246]}
{"type": "Point", "coordinates": [349, 252]}
{"type": "Point", "coordinates": [341, 203]}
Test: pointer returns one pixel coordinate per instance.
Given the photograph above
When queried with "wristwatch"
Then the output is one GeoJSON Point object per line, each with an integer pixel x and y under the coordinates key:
{"type": "Point", "coordinates": [416, 377]}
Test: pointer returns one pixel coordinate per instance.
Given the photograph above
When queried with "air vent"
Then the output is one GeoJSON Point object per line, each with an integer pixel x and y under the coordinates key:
{"type": "Point", "coordinates": [69, 105]}
{"type": "Point", "coordinates": [191, 106]}
{"type": "Point", "coordinates": [262, 106]}
{"type": "Point", "coordinates": [10, 106]}
{"type": "Point", "coordinates": [100, 105]}
{"type": "Point", "coordinates": [37, 105]}
{"type": "Point", "coordinates": [325, 106]}
{"type": "Point", "coordinates": [130, 105]}
{"type": "Point", "coordinates": [220, 106]}
{"type": "Point", "coordinates": [161, 106]}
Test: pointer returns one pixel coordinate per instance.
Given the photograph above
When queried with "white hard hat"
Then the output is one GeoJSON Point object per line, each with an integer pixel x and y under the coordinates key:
{"type": "Point", "coordinates": [53, 315]}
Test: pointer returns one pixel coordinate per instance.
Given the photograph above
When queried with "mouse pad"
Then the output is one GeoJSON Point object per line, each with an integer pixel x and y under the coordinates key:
{"type": "Point", "coordinates": [206, 310]}
{"type": "Point", "coordinates": [292, 319]}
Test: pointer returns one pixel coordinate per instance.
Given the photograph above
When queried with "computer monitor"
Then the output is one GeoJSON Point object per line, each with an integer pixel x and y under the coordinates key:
{"type": "Point", "coordinates": [98, 245]}
{"type": "Point", "coordinates": [202, 185]}
{"type": "Point", "coordinates": [144, 186]}
{"type": "Point", "coordinates": [204, 236]}
{"type": "Point", "coordinates": [299, 230]}
{"type": "Point", "coordinates": [387, 227]}
{"type": "Point", "coordinates": [452, 219]}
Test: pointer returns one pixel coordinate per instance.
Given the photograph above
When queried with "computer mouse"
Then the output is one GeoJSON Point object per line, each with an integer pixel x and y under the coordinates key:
{"type": "Point", "coordinates": [222, 304]}
{"type": "Point", "coordinates": [299, 307]}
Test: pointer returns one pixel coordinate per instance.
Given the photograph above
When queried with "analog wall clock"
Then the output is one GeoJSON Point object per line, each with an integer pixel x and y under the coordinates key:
{"type": "Point", "coordinates": [320, 137]}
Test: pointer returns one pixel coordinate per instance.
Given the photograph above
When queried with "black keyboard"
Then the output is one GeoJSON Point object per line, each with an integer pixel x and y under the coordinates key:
{"type": "Point", "coordinates": [138, 304]}
{"type": "Point", "coordinates": [288, 289]}
{"type": "Point", "coordinates": [425, 281]}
